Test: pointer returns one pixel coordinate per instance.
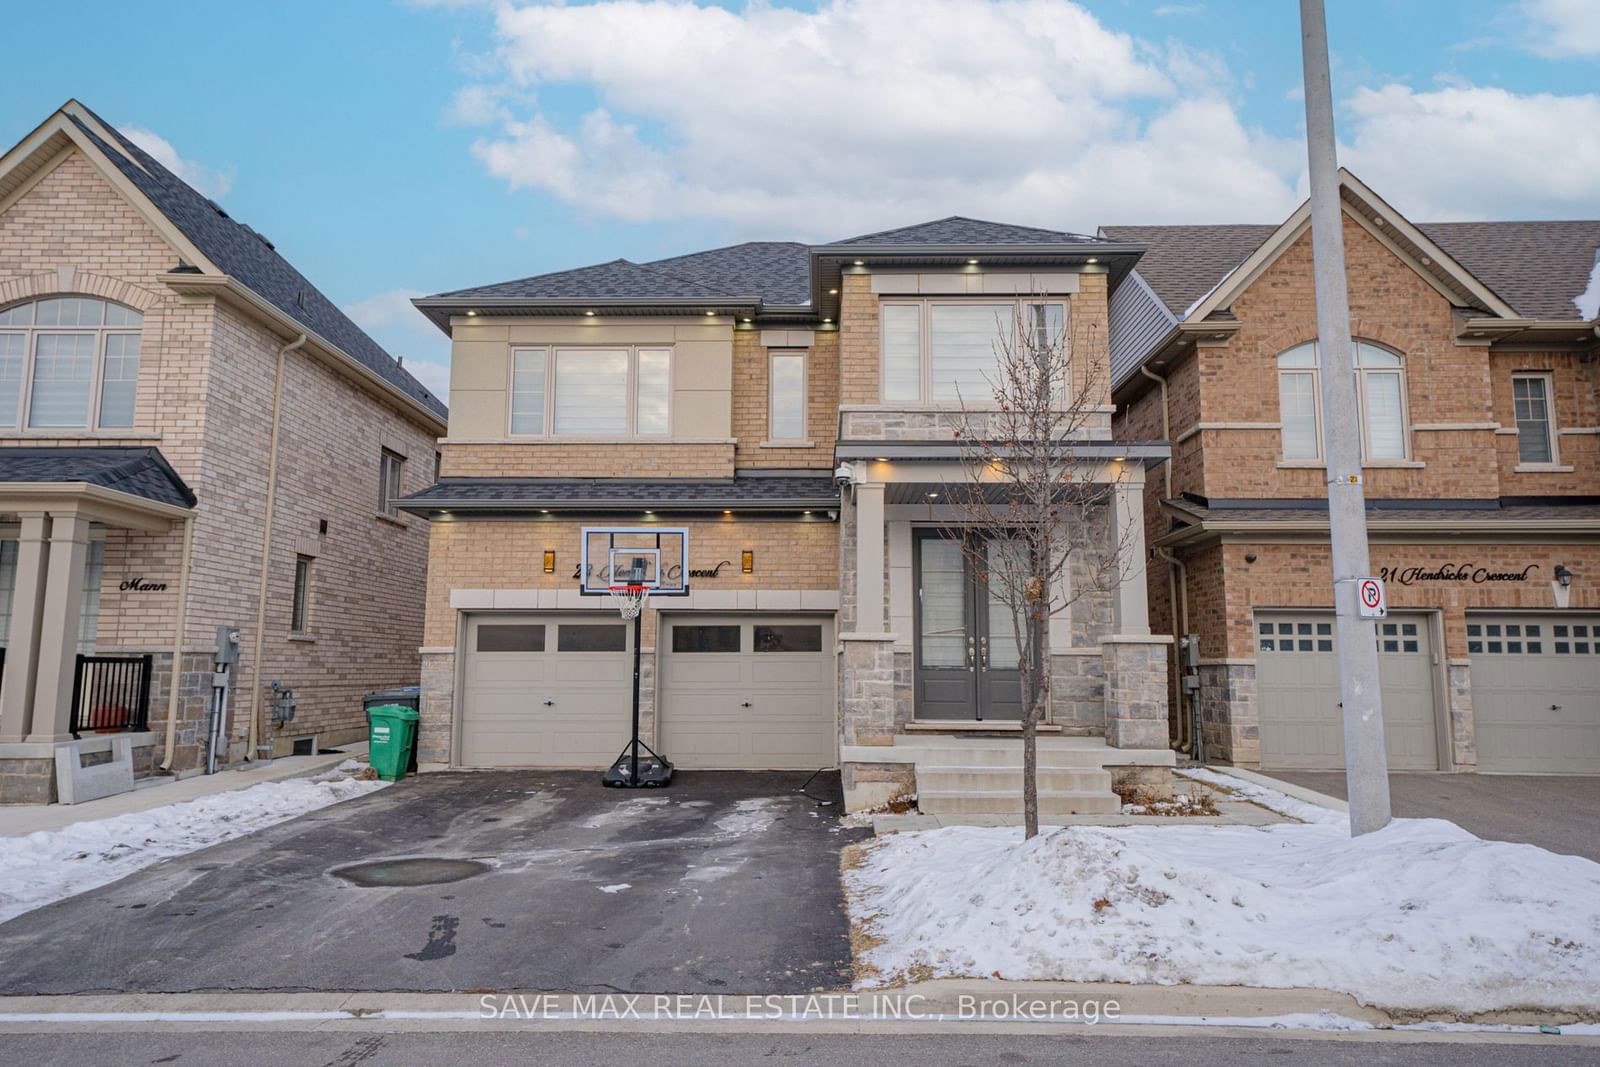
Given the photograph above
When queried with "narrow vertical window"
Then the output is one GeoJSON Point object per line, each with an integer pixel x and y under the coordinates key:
{"type": "Point", "coordinates": [119, 384]}
{"type": "Point", "coordinates": [391, 465]}
{"type": "Point", "coordinates": [527, 390]}
{"type": "Point", "coordinates": [1297, 403]}
{"type": "Point", "coordinates": [901, 328]}
{"type": "Point", "coordinates": [786, 402]}
{"type": "Point", "coordinates": [94, 568]}
{"type": "Point", "coordinates": [1382, 402]}
{"type": "Point", "coordinates": [652, 392]}
{"type": "Point", "coordinates": [13, 352]}
{"type": "Point", "coordinates": [302, 595]}
{"type": "Point", "coordinates": [1530, 396]}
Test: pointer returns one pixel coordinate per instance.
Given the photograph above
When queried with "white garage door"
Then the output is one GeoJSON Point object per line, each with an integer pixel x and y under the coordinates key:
{"type": "Point", "coordinates": [546, 691]}
{"type": "Point", "coordinates": [747, 693]}
{"type": "Point", "coordinates": [1297, 687]}
{"type": "Point", "coordinates": [1536, 692]}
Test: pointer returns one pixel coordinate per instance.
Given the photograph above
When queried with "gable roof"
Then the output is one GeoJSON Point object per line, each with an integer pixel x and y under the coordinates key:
{"type": "Point", "coordinates": [1184, 263]}
{"type": "Point", "coordinates": [1537, 267]}
{"type": "Point", "coordinates": [137, 471]}
{"type": "Point", "coordinates": [245, 255]}
{"type": "Point", "coordinates": [960, 230]}
{"type": "Point", "coordinates": [776, 271]}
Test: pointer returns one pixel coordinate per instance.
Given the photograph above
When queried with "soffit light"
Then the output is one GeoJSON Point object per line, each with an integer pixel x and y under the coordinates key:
{"type": "Point", "coordinates": [1092, 259]}
{"type": "Point", "coordinates": [589, 313]}
{"type": "Point", "coordinates": [972, 263]}
{"type": "Point", "coordinates": [861, 263]}
{"type": "Point", "coordinates": [833, 292]}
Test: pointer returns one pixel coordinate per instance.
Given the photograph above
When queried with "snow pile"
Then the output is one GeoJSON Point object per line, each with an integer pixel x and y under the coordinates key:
{"type": "Point", "coordinates": [51, 865]}
{"type": "Point", "coordinates": [1588, 301]}
{"type": "Point", "coordinates": [1270, 799]}
{"type": "Point", "coordinates": [1418, 916]}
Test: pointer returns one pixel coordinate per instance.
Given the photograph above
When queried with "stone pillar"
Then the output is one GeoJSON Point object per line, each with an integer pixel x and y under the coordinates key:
{"type": "Point", "coordinates": [1136, 690]}
{"type": "Point", "coordinates": [22, 651]}
{"type": "Point", "coordinates": [871, 571]}
{"type": "Point", "coordinates": [58, 628]}
{"type": "Point", "coordinates": [1132, 610]}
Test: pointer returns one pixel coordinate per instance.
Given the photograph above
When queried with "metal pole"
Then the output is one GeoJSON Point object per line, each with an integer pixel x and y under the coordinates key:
{"type": "Point", "coordinates": [633, 764]}
{"type": "Point", "coordinates": [1365, 761]}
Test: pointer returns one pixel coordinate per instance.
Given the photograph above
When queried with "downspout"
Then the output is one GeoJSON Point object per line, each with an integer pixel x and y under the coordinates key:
{"type": "Point", "coordinates": [256, 673]}
{"type": "Point", "coordinates": [177, 643]}
{"type": "Point", "coordinates": [1176, 577]}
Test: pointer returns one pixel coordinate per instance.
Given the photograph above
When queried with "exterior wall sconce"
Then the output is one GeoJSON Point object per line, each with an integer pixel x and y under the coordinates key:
{"type": "Point", "coordinates": [549, 561]}
{"type": "Point", "coordinates": [1563, 576]}
{"type": "Point", "coordinates": [747, 561]}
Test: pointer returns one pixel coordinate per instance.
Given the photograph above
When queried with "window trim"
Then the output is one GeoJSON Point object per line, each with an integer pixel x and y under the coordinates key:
{"type": "Point", "coordinates": [1552, 433]}
{"type": "Point", "coordinates": [30, 352]}
{"type": "Point", "coordinates": [550, 351]}
{"type": "Point", "coordinates": [1407, 457]}
{"type": "Point", "coordinates": [300, 596]}
{"type": "Point", "coordinates": [804, 356]}
{"type": "Point", "coordinates": [388, 506]}
{"type": "Point", "coordinates": [925, 341]}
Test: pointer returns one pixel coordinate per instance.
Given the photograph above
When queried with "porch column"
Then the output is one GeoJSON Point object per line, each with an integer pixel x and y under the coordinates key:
{"type": "Point", "coordinates": [1132, 611]}
{"type": "Point", "coordinates": [871, 572]}
{"type": "Point", "coordinates": [22, 647]}
{"type": "Point", "coordinates": [58, 627]}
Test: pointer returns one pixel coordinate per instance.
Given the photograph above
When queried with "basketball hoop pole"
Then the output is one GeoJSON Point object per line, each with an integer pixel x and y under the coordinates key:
{"type": "Point", "coordinates": [633, 763]}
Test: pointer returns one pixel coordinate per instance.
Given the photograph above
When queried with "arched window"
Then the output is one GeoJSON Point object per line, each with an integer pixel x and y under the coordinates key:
{"type": "Point", "coordinates": [69, 363]}
{"type": "Point", "coordinates": [1381, 396]}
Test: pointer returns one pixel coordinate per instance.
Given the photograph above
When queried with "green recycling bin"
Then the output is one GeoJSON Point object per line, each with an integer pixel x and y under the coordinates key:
{"type": "Point", "coordinates": [392, 730]}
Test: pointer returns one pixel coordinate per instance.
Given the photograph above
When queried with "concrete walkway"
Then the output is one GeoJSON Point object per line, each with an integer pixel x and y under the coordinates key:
{"type": "Point", "coordinates": [19, 819]}
{"type": "Point", "coordinates": [1231, 811]}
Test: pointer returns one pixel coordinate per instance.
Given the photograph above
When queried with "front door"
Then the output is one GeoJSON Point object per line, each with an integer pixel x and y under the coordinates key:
{"type": "Point", "coordinates": [966, 644]}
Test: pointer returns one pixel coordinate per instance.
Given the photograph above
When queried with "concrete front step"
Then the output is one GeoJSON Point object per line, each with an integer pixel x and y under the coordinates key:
{"type": "Point", "coordinates": [977, 754]}
{"type": "Point", "coordinates": [1009, 802]}
{"type": "Point", "coordinates": [983, 779]}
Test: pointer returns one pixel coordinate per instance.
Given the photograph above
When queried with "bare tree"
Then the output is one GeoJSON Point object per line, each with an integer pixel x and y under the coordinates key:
{"type": "Point", "coordinates": [1032, 514]}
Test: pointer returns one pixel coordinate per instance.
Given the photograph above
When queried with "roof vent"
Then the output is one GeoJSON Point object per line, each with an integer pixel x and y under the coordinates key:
{"type": "Point", "coordinates": [300, 298]}
{"type": "Point", "coordinates": [184, 268]}
{"type": "Point", "coordinates": [263, 239]}
{"type": "Point", "coordinates": [400, 361]}
{"type": "Point", "coordinates": [218, 209]}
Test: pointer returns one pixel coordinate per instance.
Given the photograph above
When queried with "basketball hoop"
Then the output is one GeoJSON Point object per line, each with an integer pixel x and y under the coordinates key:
{"type": "Point", "coordinates": [629, 599]}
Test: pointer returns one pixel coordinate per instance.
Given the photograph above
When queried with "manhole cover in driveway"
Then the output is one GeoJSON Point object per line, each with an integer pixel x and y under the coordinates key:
{"type": "Point", "coordinates": [423, 871]}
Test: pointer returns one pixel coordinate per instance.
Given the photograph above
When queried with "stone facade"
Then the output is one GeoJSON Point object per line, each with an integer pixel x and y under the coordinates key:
{"type": "Point", "coordinates": [1135, 692]}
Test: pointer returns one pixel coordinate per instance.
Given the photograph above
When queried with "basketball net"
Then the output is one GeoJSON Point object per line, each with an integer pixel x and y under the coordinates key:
{"type": "Point", "coordinates": [629, 599]}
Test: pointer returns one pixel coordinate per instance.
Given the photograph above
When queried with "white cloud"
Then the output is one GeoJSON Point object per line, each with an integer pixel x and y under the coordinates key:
{"type": "Point", "coordinates": [209, 181]}
{"type": "Point", "coordinates": [1166, 10]}
{"type": "Point", "coordinates": [1475, 152]}
{"type": "Point", "coordinates": [863, 114]}
{"type": "Point", "coordinates": [402, 330]}
{"type": "Point", "coordinates": [1563, 28]}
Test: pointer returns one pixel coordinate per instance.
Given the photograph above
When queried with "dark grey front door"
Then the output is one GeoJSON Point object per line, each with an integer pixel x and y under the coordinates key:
{"type": "Point", "coordinates": [966, 647]}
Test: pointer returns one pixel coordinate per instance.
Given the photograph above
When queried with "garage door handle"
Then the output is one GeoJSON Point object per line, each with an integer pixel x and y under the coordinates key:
{"type": "Point", "coordinates": [746, 704]}
{"type": "Point", "coordinates": [1555, 707]}
{"type": "Point", "coordinates": [549, 703]}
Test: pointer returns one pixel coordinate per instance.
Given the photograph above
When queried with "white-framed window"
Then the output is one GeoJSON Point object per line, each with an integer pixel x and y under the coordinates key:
{"type": "Point", "coordinates": [300, 605]}
{"type": "Point", "coordinates": [786, 395]}
{"type": "Point", "coordinates": [69, 363]}
{"type": "Point", "coordinates": [391, 479]}
{"type": "Point", "coordinates": [1536, 424]}
{"type": "Point", "coordinates": [573, 391]}
{"type": "Point", "coordinates": [945, 352]}
{"type": "Point", "coordinates": [1381, 398]}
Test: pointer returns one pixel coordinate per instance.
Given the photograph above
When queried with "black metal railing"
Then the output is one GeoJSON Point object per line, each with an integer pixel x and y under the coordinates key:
{"type": "Point", "coordinates": [111, 693]}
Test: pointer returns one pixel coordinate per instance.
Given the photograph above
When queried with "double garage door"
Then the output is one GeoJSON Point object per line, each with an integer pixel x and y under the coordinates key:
{"type": "Point", "coordinates": [735, 692]}
{"type": "Point", "coordinates": [1535, 692]}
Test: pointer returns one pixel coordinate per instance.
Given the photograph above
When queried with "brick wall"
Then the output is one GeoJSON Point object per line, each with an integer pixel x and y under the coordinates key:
{"type": "Point", "coordinates": [580, 460]}
{"type": "Point", "coordinates": [1575, 377]}
{"type": "Point", "coordinates": [858, 340]}
{"type": "Point", "coordinates": [751, 385]}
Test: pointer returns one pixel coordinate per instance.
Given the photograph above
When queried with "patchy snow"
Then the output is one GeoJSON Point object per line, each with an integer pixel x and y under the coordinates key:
{"type": "Point", "coordinates": [1270, 799]}
{"type": "Point", "coordinates": [748, 817]}
{"type": "Point", "coordinates": [1588, 301]}
{"type": "Point", "coordinates": [1418, 916]}
{"type": "Point", "coordinates": [351, 766]}
{"type": "Point", "coordinates": [50, 865]}
{"type": "Point", "coordinates": [625, 811]}
{"type": "Point", "coordinates": [619, 887]}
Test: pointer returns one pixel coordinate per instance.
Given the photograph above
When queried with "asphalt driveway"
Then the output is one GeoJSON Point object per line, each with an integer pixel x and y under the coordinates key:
{"type": "Point", "coordinates": [1555, 812]}
{"type": "Point", "coordinates": [725, 882]}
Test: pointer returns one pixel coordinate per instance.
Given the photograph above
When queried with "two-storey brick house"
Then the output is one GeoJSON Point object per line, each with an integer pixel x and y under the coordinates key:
{"type": "Point", "coordinates": [191, 436]}
{"type": "Point", "coordinates": [1478, 361]}
{"type": "Point", "coordinates": [792, 407]}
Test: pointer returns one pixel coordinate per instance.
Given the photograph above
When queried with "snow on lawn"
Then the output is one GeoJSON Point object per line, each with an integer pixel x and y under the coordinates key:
{"type": "Point", "coordinates": [50, 865]}
{"type": "Point", "coordinates": [1420, 916]}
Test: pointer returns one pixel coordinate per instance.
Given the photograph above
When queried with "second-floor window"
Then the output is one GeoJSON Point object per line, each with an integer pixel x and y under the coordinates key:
{"type": "Point", "coordinates": [786, 396]}
{"type": "Point", "coordinates": [591, 392]}
{"type": "Point", "coordinates": [69, 363]}
{"type": "Point", "coordinates": [391, 477]}
{"type": "Point", "coordinates": [947, 352]}
{"type": "Point", "coordinates": [1381, 396]}
{"type": "Point", "coordinates": [1530, 396]}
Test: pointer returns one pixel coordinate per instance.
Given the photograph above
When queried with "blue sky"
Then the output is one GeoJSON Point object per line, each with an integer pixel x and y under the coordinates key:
{"type": "Point", "coordinates": [395, 148]}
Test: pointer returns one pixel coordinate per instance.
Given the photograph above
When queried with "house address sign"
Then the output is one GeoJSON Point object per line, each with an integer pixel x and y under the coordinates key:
{"type": "Point", "coordinates": [674, 570]}
{"type": "Point", "coordinates": [1453, 572]}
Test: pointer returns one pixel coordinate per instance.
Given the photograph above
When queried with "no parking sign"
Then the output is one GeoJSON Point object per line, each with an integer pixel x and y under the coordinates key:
{"type": "Point", "coordinates": [1370, 598]}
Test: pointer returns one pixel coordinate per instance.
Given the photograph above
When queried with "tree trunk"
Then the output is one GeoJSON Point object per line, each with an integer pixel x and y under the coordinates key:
{"type": "Point", "coordinates": [1030, 770]}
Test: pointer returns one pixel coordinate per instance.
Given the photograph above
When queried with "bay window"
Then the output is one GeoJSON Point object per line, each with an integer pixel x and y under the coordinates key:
{"type": "Point", "coordinates": [69, 363]}
{"type": "Point", "coordinates": [947, 352]}
{"type": "Point", "coordinates": [1380, 396]}
{"type": "Point", "coordinates": [591, 392]}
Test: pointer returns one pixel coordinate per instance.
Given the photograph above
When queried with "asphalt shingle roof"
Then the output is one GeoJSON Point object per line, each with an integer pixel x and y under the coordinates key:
{"type": "Point", "coordinates": [620, 279]}
{"type": "Point", "coordinates": [244, 254]}
{"type": "Point", "coordinates": [135, 471]}
{"type": "Point", "coordinates": [1536, 267]}
{"type": "Point", "coordinates": [959, 230]}
{"type": "Point", "coordinates": [1185, 263]}
{"type": "Point", "coordinates": [779, 272]}
{"type": "Point", "coordinates": [599, 494]}
{"type": "Point", "coordinates": [1512, 514]}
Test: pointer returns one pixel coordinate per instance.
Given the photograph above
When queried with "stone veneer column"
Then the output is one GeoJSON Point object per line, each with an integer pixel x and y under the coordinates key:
{"type": "Point", "coordinates": [58, 628]}
{"type": "Point", "coordinates": [22, 651]}
{"type": "Point", "coordinates": [1136, 690]}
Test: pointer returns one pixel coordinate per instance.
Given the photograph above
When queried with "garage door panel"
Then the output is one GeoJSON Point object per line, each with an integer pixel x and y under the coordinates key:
{"type": "Point", "coordinates": [688, 669]}
{"type": "Point", "coordinates": [1297, 683]}
{"type": "Point", "coordinates": [1536, 692]}
{"type": "Point", "coordinates": [801, 671]}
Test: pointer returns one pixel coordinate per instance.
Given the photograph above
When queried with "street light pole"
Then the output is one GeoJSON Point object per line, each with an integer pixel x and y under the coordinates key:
{"type": "Point", "coordinates": [1365, 759]}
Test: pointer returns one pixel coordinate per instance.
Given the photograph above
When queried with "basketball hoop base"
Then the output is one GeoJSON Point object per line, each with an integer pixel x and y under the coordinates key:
{"type": "Point", "coordinates": [654, 771]}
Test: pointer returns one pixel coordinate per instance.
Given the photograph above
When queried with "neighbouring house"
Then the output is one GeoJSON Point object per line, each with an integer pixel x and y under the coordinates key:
{"type": "Point", "coordinates": [191, 436]}
{"type": "Point", "coordinates": [1477, 362]}
{"type": "Point", "coordinates": [792, 407]}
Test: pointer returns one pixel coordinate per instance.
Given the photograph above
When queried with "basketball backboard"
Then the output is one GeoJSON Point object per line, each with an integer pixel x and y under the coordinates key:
{"type": "Point", "coordinates": [656, 557]}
